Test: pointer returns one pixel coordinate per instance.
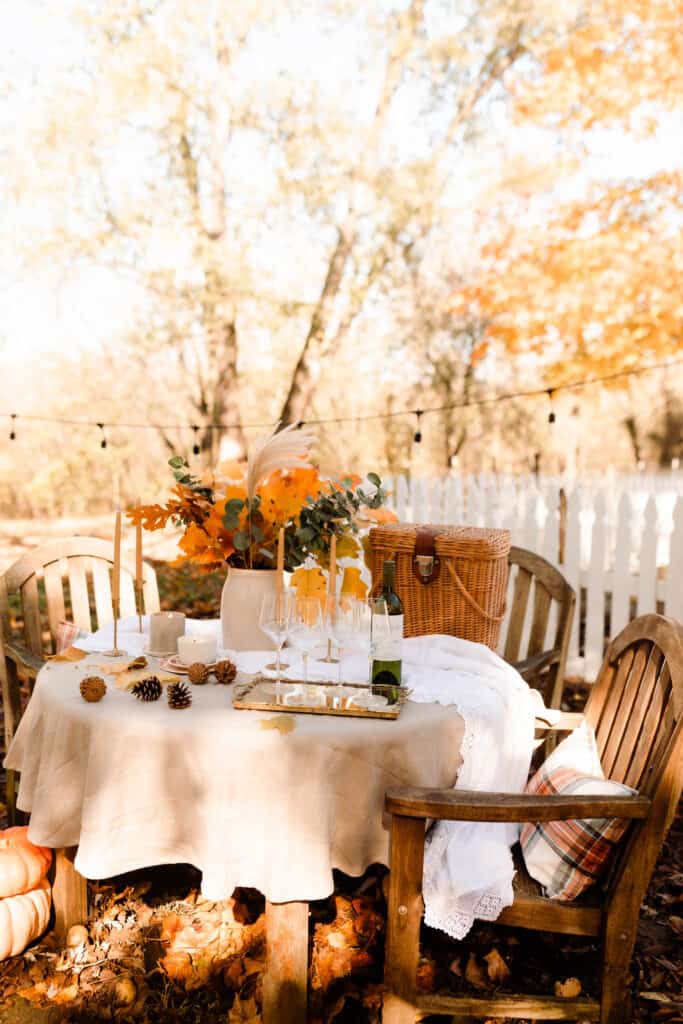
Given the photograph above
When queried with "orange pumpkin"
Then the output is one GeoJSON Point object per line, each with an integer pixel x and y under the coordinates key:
{"type": "Point", "coordinates": [22, 864]}
{"type": "Point", "coordinates": [23, 918]}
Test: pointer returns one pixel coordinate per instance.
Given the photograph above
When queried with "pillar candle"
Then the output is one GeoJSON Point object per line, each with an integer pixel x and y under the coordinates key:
{"type": "Point", "coordinates": [116, 574]}
{"type": "Point", "coordinates": [164, 630]}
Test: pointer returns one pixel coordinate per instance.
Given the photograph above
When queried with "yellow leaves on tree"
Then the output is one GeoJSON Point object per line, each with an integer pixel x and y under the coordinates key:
{"type": "Point", "coordinates": [309, 582]}
{"type": "Point", "coordinates": [352, 584]}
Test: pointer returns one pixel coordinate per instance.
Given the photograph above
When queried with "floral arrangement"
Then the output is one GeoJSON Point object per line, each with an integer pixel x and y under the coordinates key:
{"type": "Point", "coordinates": [234, 514]}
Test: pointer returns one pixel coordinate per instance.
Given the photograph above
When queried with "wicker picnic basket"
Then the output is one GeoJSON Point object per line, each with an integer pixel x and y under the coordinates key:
{"type": "Point", "coordinates": [451, 579]}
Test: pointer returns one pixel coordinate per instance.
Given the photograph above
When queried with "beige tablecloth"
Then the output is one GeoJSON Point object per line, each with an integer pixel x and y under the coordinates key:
{"type": "Point", "coordinates": [136, 784]}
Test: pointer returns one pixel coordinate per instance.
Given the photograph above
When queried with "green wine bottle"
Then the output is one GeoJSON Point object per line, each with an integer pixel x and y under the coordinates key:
{"type": "Point", "coordinates": [387, 635]}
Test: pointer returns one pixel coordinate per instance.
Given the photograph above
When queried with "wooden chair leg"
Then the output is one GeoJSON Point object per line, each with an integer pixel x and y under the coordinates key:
{"type": "Point", "coordinates": [615, 1001]}
{"type": "Point", "coordinates": [69, 892]}
{"type": "Point", "coordinates": [11, 706]}
{"type": "Point", "coordinates": [286, 976]}
{"type": "Point", "coordinates": [404, 912]}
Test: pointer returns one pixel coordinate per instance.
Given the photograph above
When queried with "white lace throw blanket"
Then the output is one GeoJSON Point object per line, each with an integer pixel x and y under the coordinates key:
{"type": "Point", "coordinates": [468, 866]}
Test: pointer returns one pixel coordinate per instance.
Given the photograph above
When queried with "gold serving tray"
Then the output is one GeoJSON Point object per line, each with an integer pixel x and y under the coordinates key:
{"type": "Point", "coordinates": [260, 694]}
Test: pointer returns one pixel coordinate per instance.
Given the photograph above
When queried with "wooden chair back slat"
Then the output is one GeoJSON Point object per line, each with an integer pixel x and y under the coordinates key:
{"type": "Point", "coordinates": [632, 715]}
{"type": "Point", "coordinates": [520, 598]}
{"type": "Point", "coordinates": [78, 591]}
{"type": "Point", "coordinates": [626, 697]}
{"type": "Point", "coordinates": [102, 590]}
{"type": "Point", "coordinates": [54, 594]}
{"type": "Point", "coordinates": [30, 601]}
{"type": "Point", "coordinates": [639, 748]}
{"type": "Point", "coordinates": [604, 697]}
{"type": "Point", "coordinates": [127, 595]}
{"type": "Point", "coordinates": [539, 621]}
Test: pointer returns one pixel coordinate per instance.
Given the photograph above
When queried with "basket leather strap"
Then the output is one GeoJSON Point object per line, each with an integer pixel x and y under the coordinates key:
{"type": "Point", "coordinates": [426, 563]}
{"type": "Point", "coordinates": [470, 600]}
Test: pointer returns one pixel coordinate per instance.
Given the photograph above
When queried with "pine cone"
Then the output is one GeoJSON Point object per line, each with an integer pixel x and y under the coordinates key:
{"type": "Point", "coordinates": [225, 671]}
{"type": "Point", "coordinates": [198, 673]}
{"type": "Point", "coordinates": [179, 696]}
{"type": "Point", "coordinates": [93, 688]}
{"type": "Point", "coordinates": [147, 689]}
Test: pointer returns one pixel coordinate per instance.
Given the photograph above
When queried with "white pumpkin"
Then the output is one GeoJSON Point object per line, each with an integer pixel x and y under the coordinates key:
{"type": "Point", "coordinates": [23, 918]}
{"type": "Point", "coordinates": [22, 863]}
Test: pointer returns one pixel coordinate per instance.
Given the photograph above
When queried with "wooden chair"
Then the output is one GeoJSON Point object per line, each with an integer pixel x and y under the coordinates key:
{"type": "Point", "coordinates": [542, 666]}
{"type": "Point", "coordinates": [37, 585]}
{"type": "Point", "coordinates": [636, 709]}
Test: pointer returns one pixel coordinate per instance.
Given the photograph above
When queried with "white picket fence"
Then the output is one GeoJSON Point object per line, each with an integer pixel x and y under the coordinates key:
{"type": "Point", "coordinates": [623, 539]}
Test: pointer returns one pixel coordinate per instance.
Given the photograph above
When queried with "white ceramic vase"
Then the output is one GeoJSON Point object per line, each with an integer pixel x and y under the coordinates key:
{"type": "Point", "coordinates": [243, 593]}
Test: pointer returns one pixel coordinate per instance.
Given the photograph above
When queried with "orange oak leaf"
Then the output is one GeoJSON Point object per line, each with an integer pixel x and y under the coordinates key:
{"type": "Point", "coordinates": [352, 584]}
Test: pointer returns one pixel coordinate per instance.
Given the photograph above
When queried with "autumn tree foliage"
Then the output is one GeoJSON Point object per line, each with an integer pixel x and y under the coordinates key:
{"type": "Point", "coordinates": [584, 272]}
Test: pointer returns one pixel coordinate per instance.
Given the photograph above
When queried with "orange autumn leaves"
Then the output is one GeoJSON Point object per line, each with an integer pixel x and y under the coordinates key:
{"type": "Point", "coordinates": [204, 508]}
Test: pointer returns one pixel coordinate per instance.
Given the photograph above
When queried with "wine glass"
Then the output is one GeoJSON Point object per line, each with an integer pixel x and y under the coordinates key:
{"type": "Point", "coordinates": [274, 621]}
{"type": "Point", "coordinates": [306, 627]}
{"type": "Point", "coordinates": [344, 621]}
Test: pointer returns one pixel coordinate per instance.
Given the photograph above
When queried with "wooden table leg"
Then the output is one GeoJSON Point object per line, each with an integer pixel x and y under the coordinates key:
{"type": "Point", "coordinates": [284, 983]}
{"type": "Point", "coordinates": [69, 892]}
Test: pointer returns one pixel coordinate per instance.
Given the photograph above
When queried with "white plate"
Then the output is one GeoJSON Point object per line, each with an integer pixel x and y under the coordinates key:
{"type": "Point", "coordinates": [175, 664]}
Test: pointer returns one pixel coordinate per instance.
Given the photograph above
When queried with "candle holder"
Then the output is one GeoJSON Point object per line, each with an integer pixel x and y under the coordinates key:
{"type": "Point", "coordinates": [329, 658]}
{"type": "Point", "coordinates": [116, 651]}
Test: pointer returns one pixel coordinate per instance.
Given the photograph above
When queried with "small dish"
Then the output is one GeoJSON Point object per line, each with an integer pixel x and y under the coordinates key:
{"type": "Point", "coordinates": [175, 664]}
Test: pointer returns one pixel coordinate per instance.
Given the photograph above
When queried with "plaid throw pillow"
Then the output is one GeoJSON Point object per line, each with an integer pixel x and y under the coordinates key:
{"type": "Point", "coordinates": [566, 857]}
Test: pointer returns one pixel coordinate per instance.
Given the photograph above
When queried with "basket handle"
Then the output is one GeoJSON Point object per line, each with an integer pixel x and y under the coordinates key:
{"type": "Point", "coordinates": [470, 600]}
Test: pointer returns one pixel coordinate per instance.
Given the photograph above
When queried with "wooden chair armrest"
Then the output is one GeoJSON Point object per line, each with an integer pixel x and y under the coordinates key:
{"type": "Point", "coordinates": [530, 668]}
{"type": "Point", "coordinates": [22, 657]}
{"type": "Point", "coordinates": [468, 805]}
{"type": "Point", "coordinates": [561, 721]}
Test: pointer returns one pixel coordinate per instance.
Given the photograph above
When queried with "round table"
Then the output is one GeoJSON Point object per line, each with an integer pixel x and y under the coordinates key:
{"type": "Point", "coordinates": [269, 800]}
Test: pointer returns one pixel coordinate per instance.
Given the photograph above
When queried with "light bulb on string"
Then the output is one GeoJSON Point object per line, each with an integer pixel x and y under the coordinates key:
{"type": "Point", "coordinates": [13, 433]}
{"type": "Point", "coordinates": [195, 447]}
{"type": "Point", "coordinates": [551, 414]}
{"type": "Point", "coordinates": [417, 436]}
{"type": "Point", "coordinates": [103, 441]}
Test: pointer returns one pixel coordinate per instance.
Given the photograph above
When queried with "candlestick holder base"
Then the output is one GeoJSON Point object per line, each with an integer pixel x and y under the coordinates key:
{"type": "Point", "coordinates": [329, 659]}
{"type": "Point", "coordinates": [115, 652]}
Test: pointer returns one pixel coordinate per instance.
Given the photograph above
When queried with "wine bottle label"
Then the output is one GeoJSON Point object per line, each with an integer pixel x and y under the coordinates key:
{"type": "Point", "coordinates": [387, 637]}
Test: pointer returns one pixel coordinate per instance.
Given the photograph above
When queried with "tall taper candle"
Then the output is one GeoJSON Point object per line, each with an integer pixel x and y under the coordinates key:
{"type": "Point", "coordinates": [116, 575]}
{"type": "Point", "coordinates": [138, 569]}
{"type": "Point", "coordinates": [138, 553]}
{"type": "Point", "coordinates": [333, 565]}
{"type": "Point", "coordinates": [280, 578]}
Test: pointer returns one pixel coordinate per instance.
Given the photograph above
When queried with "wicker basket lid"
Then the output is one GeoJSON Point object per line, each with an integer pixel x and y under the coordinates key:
{"type": "Point", "coordinates": [479, 543]}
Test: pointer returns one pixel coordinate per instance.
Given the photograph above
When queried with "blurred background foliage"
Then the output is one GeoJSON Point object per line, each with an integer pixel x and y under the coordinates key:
{"type": "Point", "coordinates": [234, 214]}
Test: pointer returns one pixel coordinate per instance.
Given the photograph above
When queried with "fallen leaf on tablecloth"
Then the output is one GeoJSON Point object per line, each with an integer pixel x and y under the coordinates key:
{"type": "Point", "coordinates": [283, 723]}
{"type": "Point", "coordinates": [352, 584]}
{"type": "Point", "coordinates": [569, 989]}
{"type": "Point", "coordinates": [309, 582]}
{"type": "Point", "coordinates": [126, 680]}
{"type": "Point", "coordinates": [113, 668]}
{"type": "Point", "coordinates": [69, 654]}
{"type": "Point", "coordinates": [496, 968]}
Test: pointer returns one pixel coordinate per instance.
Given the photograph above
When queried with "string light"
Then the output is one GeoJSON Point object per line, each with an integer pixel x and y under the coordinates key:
{"type": "Point", "coordinates": [195, 447]}
{"type": "Point", "coordinates": [551, 414]}
{"type": "Point", "coordinates": [417, 436]}
{"type": "Point", "coordinates": [321, 421]}
{"type": "Point", "coordinates": [103, 442]}
{"type": "Point", "coordinates": [13, 433]}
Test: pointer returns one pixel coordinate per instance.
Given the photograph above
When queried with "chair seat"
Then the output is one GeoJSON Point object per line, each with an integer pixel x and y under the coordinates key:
{"type": "Point", "coordinates": [532, 909]}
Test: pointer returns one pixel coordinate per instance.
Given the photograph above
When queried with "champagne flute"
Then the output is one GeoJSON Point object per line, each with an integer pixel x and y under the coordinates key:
{"type": "Point", "coordinates": [306, 627]}
{"type": "Point", "coordinates": [274, 621]}
{"type": "Point", "coordinates": [344, 620]}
